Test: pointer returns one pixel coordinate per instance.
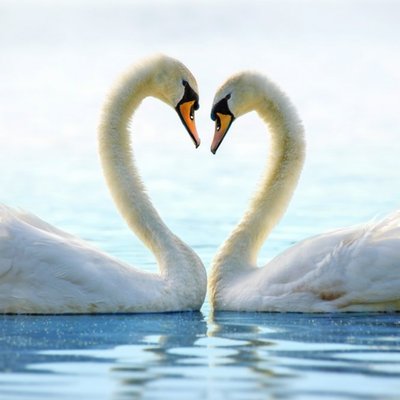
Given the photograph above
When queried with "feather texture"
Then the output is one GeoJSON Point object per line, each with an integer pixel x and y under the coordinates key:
{"type": "Point", "coordinates": [46, 270]}
{"type": "Point", "coordinates": [350, 269]}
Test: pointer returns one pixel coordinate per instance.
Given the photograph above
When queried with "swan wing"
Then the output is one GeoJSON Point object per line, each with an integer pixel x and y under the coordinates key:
{"type": "Point", "coordinates": [352, 269]}
{"type": "Point", "coordinates": [7, 213]}
{"type": "Point", "coordinates": [42, 271]}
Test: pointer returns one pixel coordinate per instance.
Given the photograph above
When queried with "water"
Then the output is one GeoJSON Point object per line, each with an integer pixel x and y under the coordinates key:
{"type": "Point", "coordinates": [339, 61]}
{"type": "Point", "coordinates": [183, 355]}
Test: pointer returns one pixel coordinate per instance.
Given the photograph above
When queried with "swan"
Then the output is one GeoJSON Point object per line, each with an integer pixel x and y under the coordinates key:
{"type": "Point", "coordinates": [44, 270]}
{"type": "Point", "coordinates": [350, 269]}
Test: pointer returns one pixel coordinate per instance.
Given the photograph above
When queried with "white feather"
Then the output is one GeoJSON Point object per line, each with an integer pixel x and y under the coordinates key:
{"type": "Point", "coordinates": [46, 270]}
{"type": "Point", "coordinates": [351, 269]}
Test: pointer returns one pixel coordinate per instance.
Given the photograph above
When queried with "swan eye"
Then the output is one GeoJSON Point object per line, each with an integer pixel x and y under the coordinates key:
{"type": "Point", "coordinates": [218, 124]}
{"type": "Point", "coordinates": [192, 112]}
{"type": "Point", "coordinates": [189, 95]}
{"type": "Point", "coordinates": [222, 108]}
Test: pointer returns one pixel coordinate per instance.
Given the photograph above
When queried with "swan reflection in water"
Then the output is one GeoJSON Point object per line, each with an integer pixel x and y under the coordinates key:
{"type": "Point", "coordinates": [291, 354]}
{"type": "Point", "coordinates": [135, 349]}
{"type": "Point", "coordinates": [183, 355]}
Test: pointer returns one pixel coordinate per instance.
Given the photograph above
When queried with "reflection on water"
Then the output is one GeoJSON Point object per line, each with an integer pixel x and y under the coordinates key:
{"type": "Point", "coordinates": [98, 355]}
{"type": "Point", "coordinates": [330, 356]}
{"type": "Point", "coordinates": [181, 355]}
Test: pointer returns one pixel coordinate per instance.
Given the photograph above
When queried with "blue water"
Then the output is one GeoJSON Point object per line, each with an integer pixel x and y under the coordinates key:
{"type": "Point", "coordinates": [339, 61]}
{"type": "Point", "coordinates": [185, 355]}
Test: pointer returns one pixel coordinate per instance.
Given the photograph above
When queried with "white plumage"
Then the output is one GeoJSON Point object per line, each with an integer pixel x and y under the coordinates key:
{"type": "Point", "coordinates": [46, 270]}
{"type": "Point", "coordinates": [350, 269]}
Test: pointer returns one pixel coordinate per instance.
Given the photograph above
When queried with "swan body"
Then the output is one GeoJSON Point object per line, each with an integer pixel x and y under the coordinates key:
{"type": "Point", "coordinates": [45, 270]}
{"type": "Point", "coordinates": [349, 269]}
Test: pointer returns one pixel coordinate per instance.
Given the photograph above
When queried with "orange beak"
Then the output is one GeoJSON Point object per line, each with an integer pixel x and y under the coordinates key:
{"type": "Point", "coordinates": [222, 125]}
{"type": "Point", "coordinates": [186, 114]}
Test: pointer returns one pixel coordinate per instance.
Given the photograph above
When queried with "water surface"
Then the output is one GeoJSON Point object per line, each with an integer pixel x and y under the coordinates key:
{"type": "Point", "coordinates": [183, 355]}
{"type": "Point", "coordinates": [339, 62]}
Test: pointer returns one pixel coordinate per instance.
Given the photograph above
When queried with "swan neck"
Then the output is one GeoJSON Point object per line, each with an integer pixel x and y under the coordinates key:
{"type": "Point", "coordinates": [119, 167]}
{"type": "Point", "coordinates": [286, 158]}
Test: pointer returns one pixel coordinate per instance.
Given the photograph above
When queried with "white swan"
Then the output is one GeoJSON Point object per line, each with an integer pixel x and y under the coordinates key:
{"type": "Point", "coordinates": [45, 270]}
{"type": "Point", "coordinates": [350, 269]}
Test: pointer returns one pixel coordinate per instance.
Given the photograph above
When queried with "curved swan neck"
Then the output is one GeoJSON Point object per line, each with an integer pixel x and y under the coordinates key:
{"type": "Point", "coordinates": [279, 181]}
{"type": "Point", "coordinates": [118, 164]}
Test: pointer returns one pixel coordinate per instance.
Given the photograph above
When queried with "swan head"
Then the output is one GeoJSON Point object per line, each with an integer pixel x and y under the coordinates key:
{"type": "Point", "coordinates": [174, 84]}
{"type": "Point", "coordinates": [237, 96]}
